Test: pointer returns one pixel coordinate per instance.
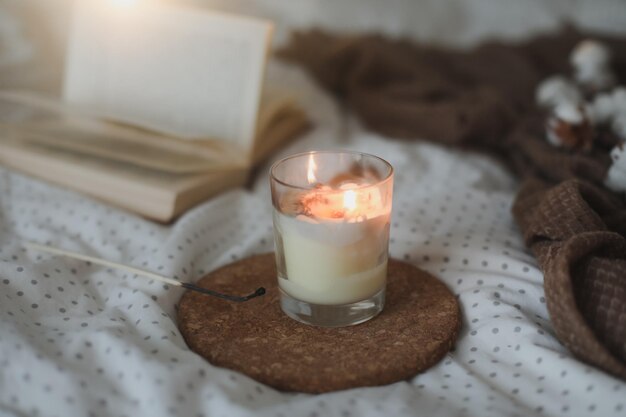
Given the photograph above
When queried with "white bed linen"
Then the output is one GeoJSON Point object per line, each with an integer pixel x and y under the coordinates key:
{"type": "Point", "coordinates": [80, 340]}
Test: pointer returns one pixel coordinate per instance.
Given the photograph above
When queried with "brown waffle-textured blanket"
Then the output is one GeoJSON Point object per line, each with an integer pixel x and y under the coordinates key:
{"type": "Point", "coordinates": [484, 98]}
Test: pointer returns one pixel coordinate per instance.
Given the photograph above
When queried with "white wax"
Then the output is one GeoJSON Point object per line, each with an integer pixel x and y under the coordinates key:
{"type": "Point", "coordinates": [333, 261]}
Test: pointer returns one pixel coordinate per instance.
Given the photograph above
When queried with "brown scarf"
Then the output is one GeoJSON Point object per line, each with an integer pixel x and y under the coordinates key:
{"type": "Point", "coordinates": [484, 98]}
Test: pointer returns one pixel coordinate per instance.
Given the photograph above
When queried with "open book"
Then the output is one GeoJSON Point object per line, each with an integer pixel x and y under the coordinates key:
{"type": "Point", "coordinates": [157, 115]}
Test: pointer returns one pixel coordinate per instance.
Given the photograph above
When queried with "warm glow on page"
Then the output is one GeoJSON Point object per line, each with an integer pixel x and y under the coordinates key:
{"type": "Point", "coordinates": [123, 3]}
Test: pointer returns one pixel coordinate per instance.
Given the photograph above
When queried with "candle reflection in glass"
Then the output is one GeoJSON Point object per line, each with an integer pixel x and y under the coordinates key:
{"type": "Point", "coordinates": [331, 227]}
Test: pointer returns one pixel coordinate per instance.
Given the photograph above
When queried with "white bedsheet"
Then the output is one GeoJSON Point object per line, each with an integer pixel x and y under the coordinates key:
{"type": "Point", "coordinates": [80, 340]}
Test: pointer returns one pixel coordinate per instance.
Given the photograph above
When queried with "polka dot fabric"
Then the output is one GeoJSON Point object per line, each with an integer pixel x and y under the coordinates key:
{"type": "Point", "coordinates": [79, 339]}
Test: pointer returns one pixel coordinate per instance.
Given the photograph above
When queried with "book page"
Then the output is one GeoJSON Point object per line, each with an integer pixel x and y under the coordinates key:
{"type": "Point", "coordinates": [155, 194]}
{"type": "Point", "coordinates": [189, 73]}
{"type": "Point", "coordinates": [273, 101]}
{"type": "Point", "coordinates": [113, 144]}
{"type": "Point", "coordinates": [36, 119]}
{"type": "Point", "coordinates": [286, 122]}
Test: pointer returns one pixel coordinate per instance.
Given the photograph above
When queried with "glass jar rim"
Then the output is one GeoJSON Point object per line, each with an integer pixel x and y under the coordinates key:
{"type": "Point", "coordinates": [390, 170]}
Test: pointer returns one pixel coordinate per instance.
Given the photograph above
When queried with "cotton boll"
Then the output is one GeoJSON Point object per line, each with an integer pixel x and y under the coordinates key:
{"type": "Point", "coordinates": [595, 79]}
{"type": "Point", "coordinates": [619, 99]}
{"type": "Point", "coordinates": [605, 107]}
{"type": "Point", "coordinates": [555, 90]}
{"type": "Point", "coordinates": [600, 80]}
{"type": "Point", "coordinates": [590, 53]}
{"type": "Point", "coordinates": [602, 108]}
{"type": "Point", "coordinates": [569, 112]}
{"type": "Point", "coordinates": [616, 177]}
{"type": "Point", "coordinates": [570, 127]}
{"type": "Point", "coordinates": [551, 133]}
{"type": "Point", "coordinates": [616, 180]}
{"type": "Point", "coordinates": [591, 60]}
{"type": "Point", "coordinates": [619, 125]}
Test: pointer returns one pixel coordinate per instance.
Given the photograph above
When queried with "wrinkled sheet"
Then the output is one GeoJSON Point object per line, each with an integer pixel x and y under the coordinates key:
{"type": "Point", "coordinates": [79, 339]}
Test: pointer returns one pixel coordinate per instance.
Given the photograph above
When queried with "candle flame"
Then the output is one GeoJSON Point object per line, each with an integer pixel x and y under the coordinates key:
{"type": "Point", "coordinates": [349, 200]}
{"type": "Point", "coordinates": [310, 175]}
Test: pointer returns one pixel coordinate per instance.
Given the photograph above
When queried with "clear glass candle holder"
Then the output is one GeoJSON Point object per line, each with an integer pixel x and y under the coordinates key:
{"type": "Point", "coordinates": [331, 229]}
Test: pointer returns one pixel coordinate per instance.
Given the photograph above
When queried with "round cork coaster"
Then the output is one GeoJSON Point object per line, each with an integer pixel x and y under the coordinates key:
{"type": "Point", "coordinates": [417, 327]}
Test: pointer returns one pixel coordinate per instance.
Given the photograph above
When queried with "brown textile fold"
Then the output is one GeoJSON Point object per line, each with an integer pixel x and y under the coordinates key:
{"type": "Point", "coordinates": [576, 230]}
{"type": "Point", "coordinates": [484, 98]}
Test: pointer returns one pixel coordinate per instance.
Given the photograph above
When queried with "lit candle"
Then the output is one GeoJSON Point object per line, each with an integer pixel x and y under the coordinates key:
{"type": "Point", "coordinates": [332, 234]}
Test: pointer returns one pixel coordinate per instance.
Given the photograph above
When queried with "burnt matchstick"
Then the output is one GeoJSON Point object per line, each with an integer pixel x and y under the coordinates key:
{"type": "Point", "coordinates": [141, 272]}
